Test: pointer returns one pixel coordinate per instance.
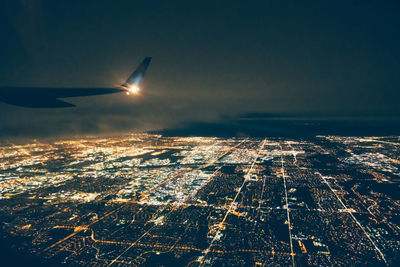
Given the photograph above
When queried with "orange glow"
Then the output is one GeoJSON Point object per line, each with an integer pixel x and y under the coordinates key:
{"type": "Point", "coordinates": [134, 89]}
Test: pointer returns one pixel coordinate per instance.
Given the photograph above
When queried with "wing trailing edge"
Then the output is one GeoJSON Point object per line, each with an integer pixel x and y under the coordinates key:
{"type": "Point", "coordinates": [38, 103]}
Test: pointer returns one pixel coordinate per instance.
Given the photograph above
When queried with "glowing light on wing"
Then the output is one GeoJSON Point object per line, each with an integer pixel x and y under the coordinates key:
{"type": "Point", "coordinates": [132, 84]}
{"type": "Point", "coordinates": [134, 89]}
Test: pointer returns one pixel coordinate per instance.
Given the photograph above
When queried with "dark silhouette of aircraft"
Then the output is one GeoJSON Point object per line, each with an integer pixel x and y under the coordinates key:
{"type": "Point", "coordinates": [44, 97]}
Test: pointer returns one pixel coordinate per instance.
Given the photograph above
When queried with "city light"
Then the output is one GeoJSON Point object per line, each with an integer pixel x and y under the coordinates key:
{"type": "Point", "coordinates": [261, 202]}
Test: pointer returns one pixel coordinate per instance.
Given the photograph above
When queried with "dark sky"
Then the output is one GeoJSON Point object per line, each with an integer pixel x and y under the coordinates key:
{"type": "Point", "coordinates": [211, 60]}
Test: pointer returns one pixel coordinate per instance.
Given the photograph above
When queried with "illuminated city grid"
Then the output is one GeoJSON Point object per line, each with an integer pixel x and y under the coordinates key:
{"type": "Point", "coordinates": [147, 199]}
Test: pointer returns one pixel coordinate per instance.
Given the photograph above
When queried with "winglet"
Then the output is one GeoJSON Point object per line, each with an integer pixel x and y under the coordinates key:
{"type": "Point", "coordinates": [138, 75]}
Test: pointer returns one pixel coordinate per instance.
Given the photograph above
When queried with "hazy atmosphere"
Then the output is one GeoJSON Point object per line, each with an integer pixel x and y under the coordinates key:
{"type": "Point", "coordinates": [211, 62]}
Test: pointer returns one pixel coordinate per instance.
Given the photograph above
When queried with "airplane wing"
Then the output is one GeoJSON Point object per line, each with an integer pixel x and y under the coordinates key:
{"type": "Point", "coordinates": [42, 97]}
{"type": "Point", "coordinates": [36, 97]}
{"type": "Point", "coordinates": [44, 102]}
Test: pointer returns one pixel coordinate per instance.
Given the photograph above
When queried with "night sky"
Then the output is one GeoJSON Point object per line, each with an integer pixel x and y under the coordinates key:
{"type": "Point", "coordinates": [212, 62]}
